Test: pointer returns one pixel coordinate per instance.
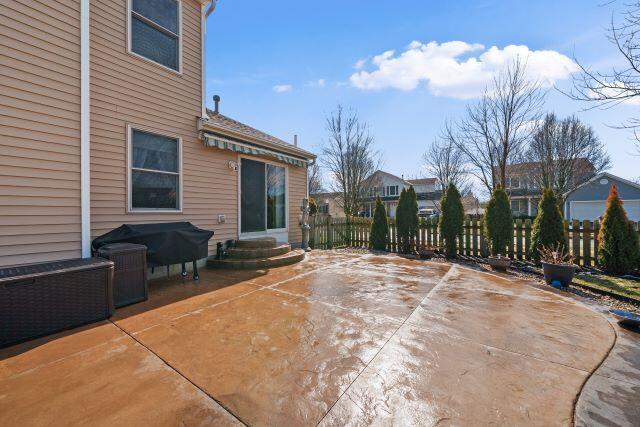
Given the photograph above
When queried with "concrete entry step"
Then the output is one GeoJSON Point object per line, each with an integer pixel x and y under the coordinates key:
{"type": "Point", "coordinates": [248, 253]}
{"type": "Point", "coordinates": [291, 257]}
{"type": "Point", "coordinates": [261, 243]}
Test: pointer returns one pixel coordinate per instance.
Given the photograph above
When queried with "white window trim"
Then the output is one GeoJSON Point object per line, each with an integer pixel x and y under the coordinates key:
{"type": "Point", "coordinates": [267, 231]}
{"type": "Point", "coordinates": [130, 208]}
{"type": "Point", "coordinates": [151, 61]}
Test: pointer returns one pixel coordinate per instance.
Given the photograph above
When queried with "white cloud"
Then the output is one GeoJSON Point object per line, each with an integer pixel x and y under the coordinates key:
{"type": "Point", "coordinates": [282, 88]}
{"type": "Point", "coordinates": [458, 69]}
{"type": "Point", "coordinates": [316, 83]}
{"type": "Point", "coordinates": [360, 63]}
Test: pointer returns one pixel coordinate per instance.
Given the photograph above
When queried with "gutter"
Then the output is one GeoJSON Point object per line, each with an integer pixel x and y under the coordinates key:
{"type": "Point", "coordinates": [85, 132]}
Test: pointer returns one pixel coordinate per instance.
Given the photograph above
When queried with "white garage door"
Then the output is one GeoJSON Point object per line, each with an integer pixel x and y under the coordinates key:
{"type": "Point", "coordinates": [594, 210]}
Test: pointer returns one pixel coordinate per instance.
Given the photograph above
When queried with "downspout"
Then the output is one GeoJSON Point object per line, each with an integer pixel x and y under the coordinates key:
{"type": "Point", "coordinates": [205, 11]}
{"type": "Point", "coordinates": [85, 132]}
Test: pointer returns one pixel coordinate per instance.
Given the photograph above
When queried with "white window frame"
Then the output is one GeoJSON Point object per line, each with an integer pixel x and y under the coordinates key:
{"type": "Point", "coordinates": [130, 208]}
{"type": "Point", "coordinates": [267, 231]}
{"type": "Point", "coordinates": [144, 58]}
{"type": "Point", "coordinates": [394, 187]}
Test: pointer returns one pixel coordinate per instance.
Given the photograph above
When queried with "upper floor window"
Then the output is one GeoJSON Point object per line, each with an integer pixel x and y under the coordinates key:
{"type": "Point", "coordinates": [392, 190]}
{"type": "Point", "coordinates": [155, 31]}
{"type": "Point", "coordinates": [154, 180]}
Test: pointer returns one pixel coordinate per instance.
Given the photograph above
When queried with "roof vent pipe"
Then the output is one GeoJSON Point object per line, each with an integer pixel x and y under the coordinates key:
{"type": "Point", "coordinates": [295, 140]}
{"type": "Point", "coordinates": [216, 102]}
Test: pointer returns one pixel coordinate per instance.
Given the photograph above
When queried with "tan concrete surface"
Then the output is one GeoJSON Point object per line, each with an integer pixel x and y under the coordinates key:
{"type": "Point", "coordinates": [337, 339]}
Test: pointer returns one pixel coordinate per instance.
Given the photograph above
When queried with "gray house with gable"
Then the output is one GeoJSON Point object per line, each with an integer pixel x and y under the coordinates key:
{"type": "Point", "coordinates": [588, 200]}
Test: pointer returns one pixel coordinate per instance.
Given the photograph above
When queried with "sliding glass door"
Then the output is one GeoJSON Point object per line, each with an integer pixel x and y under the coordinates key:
{"type": "Point", "coordinates": [263, 197]}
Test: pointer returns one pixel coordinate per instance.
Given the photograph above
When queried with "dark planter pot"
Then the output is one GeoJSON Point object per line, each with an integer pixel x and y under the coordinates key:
{"type": "Point", "coordinates": [563, 273]}
{"type": "Point", "coordinates": [426, 253]}
{"type": "Point", "coordinates": [499, 263]}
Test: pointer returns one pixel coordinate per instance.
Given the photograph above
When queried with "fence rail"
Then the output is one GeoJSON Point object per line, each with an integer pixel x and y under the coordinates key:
{"type": "Point", "coordinates": [328, 232]}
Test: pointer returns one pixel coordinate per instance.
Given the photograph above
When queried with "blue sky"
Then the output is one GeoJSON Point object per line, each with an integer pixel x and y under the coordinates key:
{"type": "Point", "coordinates": [282, 66]}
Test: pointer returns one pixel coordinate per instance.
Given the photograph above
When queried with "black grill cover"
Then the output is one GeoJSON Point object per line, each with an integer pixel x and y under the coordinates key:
{"type": "Point", "coordinates": [166, 242]}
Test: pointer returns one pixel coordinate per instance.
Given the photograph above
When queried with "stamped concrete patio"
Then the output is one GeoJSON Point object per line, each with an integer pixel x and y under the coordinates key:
{"type": "Point", "coordinates": [339, 339]}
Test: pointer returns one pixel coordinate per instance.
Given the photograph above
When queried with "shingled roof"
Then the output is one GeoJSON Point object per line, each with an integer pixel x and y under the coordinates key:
{"type": "Point", "coordinates": [217, 120]}
{"type": "Point", "coordinates": [422, 181]}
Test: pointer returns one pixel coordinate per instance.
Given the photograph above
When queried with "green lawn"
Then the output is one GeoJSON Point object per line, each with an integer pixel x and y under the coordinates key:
{"type": "Point", "coordinates": [615, 285]}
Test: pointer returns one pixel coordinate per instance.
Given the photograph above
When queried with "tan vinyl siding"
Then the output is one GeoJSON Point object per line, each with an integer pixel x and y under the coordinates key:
{"type": "Point", "coordinates": [297, 192]}
{"type": "Point", "coordinates": [127, 90]}
{"type": "Point", "coordinates": [39, 131]}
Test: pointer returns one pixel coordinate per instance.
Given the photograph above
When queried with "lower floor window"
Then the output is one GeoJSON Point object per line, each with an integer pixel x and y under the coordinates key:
{"type": "Point", "coordinates": [155, 171]}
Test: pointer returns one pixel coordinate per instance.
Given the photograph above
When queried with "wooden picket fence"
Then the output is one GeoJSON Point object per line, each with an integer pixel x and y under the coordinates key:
{"type": "Point", "coordinates": [328, 232]}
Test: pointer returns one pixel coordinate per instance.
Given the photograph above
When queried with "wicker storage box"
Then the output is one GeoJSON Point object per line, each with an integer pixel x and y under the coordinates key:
{"type": "Point", "coordinates": [130, 272]}
{"type": "Point", "coordinates": [39, 299]}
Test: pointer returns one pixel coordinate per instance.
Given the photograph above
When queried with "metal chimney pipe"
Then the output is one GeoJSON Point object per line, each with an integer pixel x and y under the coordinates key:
{"type": "Point", "coordinates": [295, 140]}
{"type": "Point", "coordinates": [216, 102]}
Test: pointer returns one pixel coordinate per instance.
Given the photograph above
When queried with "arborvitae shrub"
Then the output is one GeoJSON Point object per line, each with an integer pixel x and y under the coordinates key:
{"type": "Point", "coordinates": [412, 216]}
{"type": "Point", "coordinates": [618, 251]}
{"type": "Point", "coordinates": [403, 224]}
{"type": "Point", "coordinates": [379, 227]}
{"type": "Point", "coordinates": [548, 227]}
{"type": "Point", "coordinates": [451, 219]}
{"type": "Point", "coordinates": [498, 222]}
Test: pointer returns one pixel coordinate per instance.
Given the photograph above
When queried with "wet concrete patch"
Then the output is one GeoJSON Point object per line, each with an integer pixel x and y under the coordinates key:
{"type": "Point", "coordinates": [423, 377]}
{"type": "Point", "coordinates": [368, 291]}
{"type": "Point", "coordinates": [272, 358]}
{"type": "Point", "coordinates": [372, 339]}
{"type": "Point", "coordinates": [116, 381]}
{"type": "Point", "coordinates": [530, 321]}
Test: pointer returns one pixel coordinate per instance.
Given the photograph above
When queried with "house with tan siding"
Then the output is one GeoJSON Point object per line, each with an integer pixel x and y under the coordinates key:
{"type": "Point", "coordinates": [104, 122]}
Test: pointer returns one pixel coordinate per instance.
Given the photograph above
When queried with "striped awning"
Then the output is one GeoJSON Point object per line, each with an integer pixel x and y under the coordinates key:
{"type": "Point", "coordinates": [211, 140]}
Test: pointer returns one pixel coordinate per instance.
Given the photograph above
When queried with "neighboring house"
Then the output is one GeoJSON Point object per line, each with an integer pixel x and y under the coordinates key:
{"type": "Point", "coordinates": [329, 204]}
{"type": "Point", "coordinates": [524, 193]}
{"type": "Point", "coordinates": [104, 123]}
{"type": "Point", "coordinates": [388, 187]}
{"type": "Point", "coordinates": [588, 201]}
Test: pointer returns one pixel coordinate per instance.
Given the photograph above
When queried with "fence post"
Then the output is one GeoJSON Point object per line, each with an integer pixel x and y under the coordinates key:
{"type": "Point", "coordinates": [312, 231]}
{"type": "Point", "coordinates": [575, 240]}
{"type": "Point", "coordinates": [329, 232]}
{"type": "Point", "coordinates": [467, 236]}
{"type": "Point", "coordinates": [586, 242]}
{"type": "Point", "coordinates": [392, 234]}
{"type": "Point", "coordinates": [519, 253]}
{"type": "Point", "coordinates": [510, 247]}
{"type": "Point", "coordinates": [527, 238]}
{"type": "Point", "coordinates": [596, 231]}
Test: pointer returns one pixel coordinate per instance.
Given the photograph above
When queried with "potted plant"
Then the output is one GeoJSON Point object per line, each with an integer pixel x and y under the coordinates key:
{"type": "Point", "coordinates": [557, 265]}
{"type": "Point", "coordinates": [426, 251]}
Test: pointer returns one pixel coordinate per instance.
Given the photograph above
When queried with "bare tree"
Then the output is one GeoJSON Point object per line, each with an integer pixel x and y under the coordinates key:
{"type": "Point", "coordinates": [444, 161]}
{"type": "Point", "coordinates": [314, 178]}
{"type": "Point", "coordinates": [620, 84]}
{"type": "Point", "coordinates": [349, 156]}
{"type": "Point", "coordinates": [499, 125]}
{"type": "Point", "coordinates": [565, 153]}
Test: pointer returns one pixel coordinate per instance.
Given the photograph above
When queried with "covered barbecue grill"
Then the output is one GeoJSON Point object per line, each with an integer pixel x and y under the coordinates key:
{"type": "Point", "coordinates": [167, 243]}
